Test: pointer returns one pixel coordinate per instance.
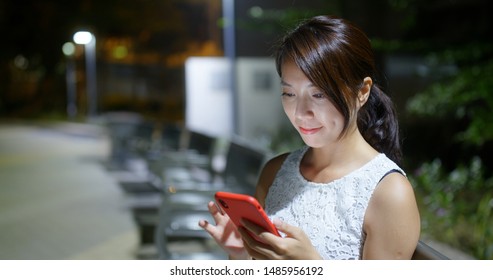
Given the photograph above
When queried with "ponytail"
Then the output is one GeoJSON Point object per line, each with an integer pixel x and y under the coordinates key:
{"type": "Point", "coordinates": [377, 122]}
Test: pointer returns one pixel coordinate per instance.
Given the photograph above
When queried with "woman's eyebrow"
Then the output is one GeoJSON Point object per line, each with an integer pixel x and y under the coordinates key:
{"type": "Point", "coordinates": [283, 83]}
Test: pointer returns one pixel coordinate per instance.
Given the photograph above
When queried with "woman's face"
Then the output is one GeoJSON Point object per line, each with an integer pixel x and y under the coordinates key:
{"type": "Point", "coordinates": [308, 108]}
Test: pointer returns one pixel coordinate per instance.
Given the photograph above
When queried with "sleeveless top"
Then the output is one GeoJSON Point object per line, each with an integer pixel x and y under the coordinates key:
{"type": "Point", "coordinates": [331, 214]}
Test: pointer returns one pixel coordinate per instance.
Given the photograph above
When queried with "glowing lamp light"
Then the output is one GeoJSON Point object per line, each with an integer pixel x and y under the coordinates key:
{"type": "Point", "coordinates": [87, 39]}
{"type": "Point", "coordinates": [68, 49]}
{"type": "Point", "coordinates": [83, 37]}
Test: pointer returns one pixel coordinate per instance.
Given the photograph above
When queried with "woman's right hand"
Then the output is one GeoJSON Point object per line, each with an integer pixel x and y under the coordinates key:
{"type": "Point", "coordinates": [225, 233]}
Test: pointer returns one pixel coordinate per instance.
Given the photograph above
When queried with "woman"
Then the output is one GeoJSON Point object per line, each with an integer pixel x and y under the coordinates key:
{"type": "Point", "coordinates": [343, 196]}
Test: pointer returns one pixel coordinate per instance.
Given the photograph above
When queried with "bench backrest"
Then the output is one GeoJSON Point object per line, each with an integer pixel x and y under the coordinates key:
{"type": "Point", "coordinates": [425, 252]}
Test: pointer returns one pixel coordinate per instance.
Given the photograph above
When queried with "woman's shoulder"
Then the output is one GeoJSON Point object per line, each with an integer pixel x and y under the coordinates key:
{"type": "Point", "coordinates": [392, 209]}
{"type": "Point", "coordinates": [394, 193]}
{"type": "Point", "coordinates": [277, 161]}
{"type": "Point", "coordinates": [382, 166]}
{"type": "Point", "coordinates": [268, 174]}
{"type": "Point", "coordinates": [272, 166]}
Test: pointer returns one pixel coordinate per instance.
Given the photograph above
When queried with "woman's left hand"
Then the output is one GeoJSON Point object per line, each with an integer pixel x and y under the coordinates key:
{"type": "Point", "coordinates": [294, 246]}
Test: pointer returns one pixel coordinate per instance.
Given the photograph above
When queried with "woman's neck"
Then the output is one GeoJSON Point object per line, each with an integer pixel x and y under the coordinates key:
{"type": "Point", "coordinates": [324, 164]}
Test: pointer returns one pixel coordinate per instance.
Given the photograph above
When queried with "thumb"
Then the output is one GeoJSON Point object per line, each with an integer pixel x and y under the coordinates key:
{"type": "Point", "coordinates": [284, 227]}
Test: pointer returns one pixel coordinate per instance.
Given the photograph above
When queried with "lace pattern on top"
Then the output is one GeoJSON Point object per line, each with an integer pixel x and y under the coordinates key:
{"type": "Point", "coordinates": [331, 214]}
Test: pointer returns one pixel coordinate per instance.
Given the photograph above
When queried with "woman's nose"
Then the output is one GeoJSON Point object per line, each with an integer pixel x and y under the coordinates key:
{"type": "Point", "coordinates": [303, 108]}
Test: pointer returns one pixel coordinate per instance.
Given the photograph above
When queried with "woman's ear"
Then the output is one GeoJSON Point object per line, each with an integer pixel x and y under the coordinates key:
{"type": "Point", "coordinates": [364, 91]}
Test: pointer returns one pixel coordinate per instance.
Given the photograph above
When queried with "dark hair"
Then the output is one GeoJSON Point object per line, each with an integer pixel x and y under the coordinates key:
{"type": "Point", "coordinates": [336, 56]}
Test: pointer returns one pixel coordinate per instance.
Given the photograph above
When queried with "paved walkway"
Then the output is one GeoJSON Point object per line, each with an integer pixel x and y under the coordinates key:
{"type": "Point", "coordinates": [56, 199]}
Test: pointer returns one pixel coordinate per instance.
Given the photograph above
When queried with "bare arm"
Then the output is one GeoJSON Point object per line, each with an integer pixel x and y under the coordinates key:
{"type": "Point", "coordinates": [392, 221]}
{"type": "Point", "coordinates": [267, 176]}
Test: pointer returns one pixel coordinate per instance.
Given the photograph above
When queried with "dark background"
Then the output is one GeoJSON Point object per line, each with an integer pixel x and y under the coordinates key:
{"type": "Point", "coordinates": [160, 35]}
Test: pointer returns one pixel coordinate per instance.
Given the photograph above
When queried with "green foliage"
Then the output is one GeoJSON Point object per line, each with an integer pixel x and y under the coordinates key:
{"type": "Point", "coordinates": [465, 95]}
{"type": "Point", "coordinates": [277, 20]}
{"type": "Point", "coordinates": [457, 207]}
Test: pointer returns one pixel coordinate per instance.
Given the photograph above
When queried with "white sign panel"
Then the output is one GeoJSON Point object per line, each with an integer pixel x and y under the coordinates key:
{"type": "Point", "coordinates": [209, 99]}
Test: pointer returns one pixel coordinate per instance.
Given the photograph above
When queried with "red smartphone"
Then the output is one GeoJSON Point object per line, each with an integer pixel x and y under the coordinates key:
{"type": "Point", "coordinates": [239, 206]}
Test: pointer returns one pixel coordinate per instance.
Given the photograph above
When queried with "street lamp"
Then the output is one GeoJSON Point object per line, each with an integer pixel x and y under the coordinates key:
{"type": "Point", "coordinates": [68, 50]}
{"type": "Point", "coordinates": [89, 41]}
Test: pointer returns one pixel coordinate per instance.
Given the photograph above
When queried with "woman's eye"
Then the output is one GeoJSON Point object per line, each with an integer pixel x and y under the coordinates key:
{"type": "Point", "coordinates": [287, 94]}
{"type": "Point", "coordinates": [319, 95]}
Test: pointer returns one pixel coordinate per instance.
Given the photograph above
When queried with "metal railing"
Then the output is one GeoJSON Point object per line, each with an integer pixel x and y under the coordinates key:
{"type": "Point", "coordinates": [425, 252]}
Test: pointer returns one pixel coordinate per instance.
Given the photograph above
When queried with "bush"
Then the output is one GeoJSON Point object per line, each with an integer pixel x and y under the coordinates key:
{"type": "Point", "coordinates": [457, 207]}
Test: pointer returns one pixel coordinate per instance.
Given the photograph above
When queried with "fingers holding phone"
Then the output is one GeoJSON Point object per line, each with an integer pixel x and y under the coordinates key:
{"type": "Point", "coordinates": [257, 241]}
{"type": "Point", "coordinates": [218, 217]}
{"type": "Point", "coordinates": [224, 232]}
{"type": "Point", "coordinates": [261, 244]}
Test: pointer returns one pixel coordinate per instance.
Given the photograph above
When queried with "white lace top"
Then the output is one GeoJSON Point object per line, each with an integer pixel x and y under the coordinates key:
{"type": "Point", "coordinates": [331, 214]}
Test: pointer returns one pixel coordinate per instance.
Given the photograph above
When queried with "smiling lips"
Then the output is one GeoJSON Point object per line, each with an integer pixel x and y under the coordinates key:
{"type": "Point", "coordinates": [309, 130]}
